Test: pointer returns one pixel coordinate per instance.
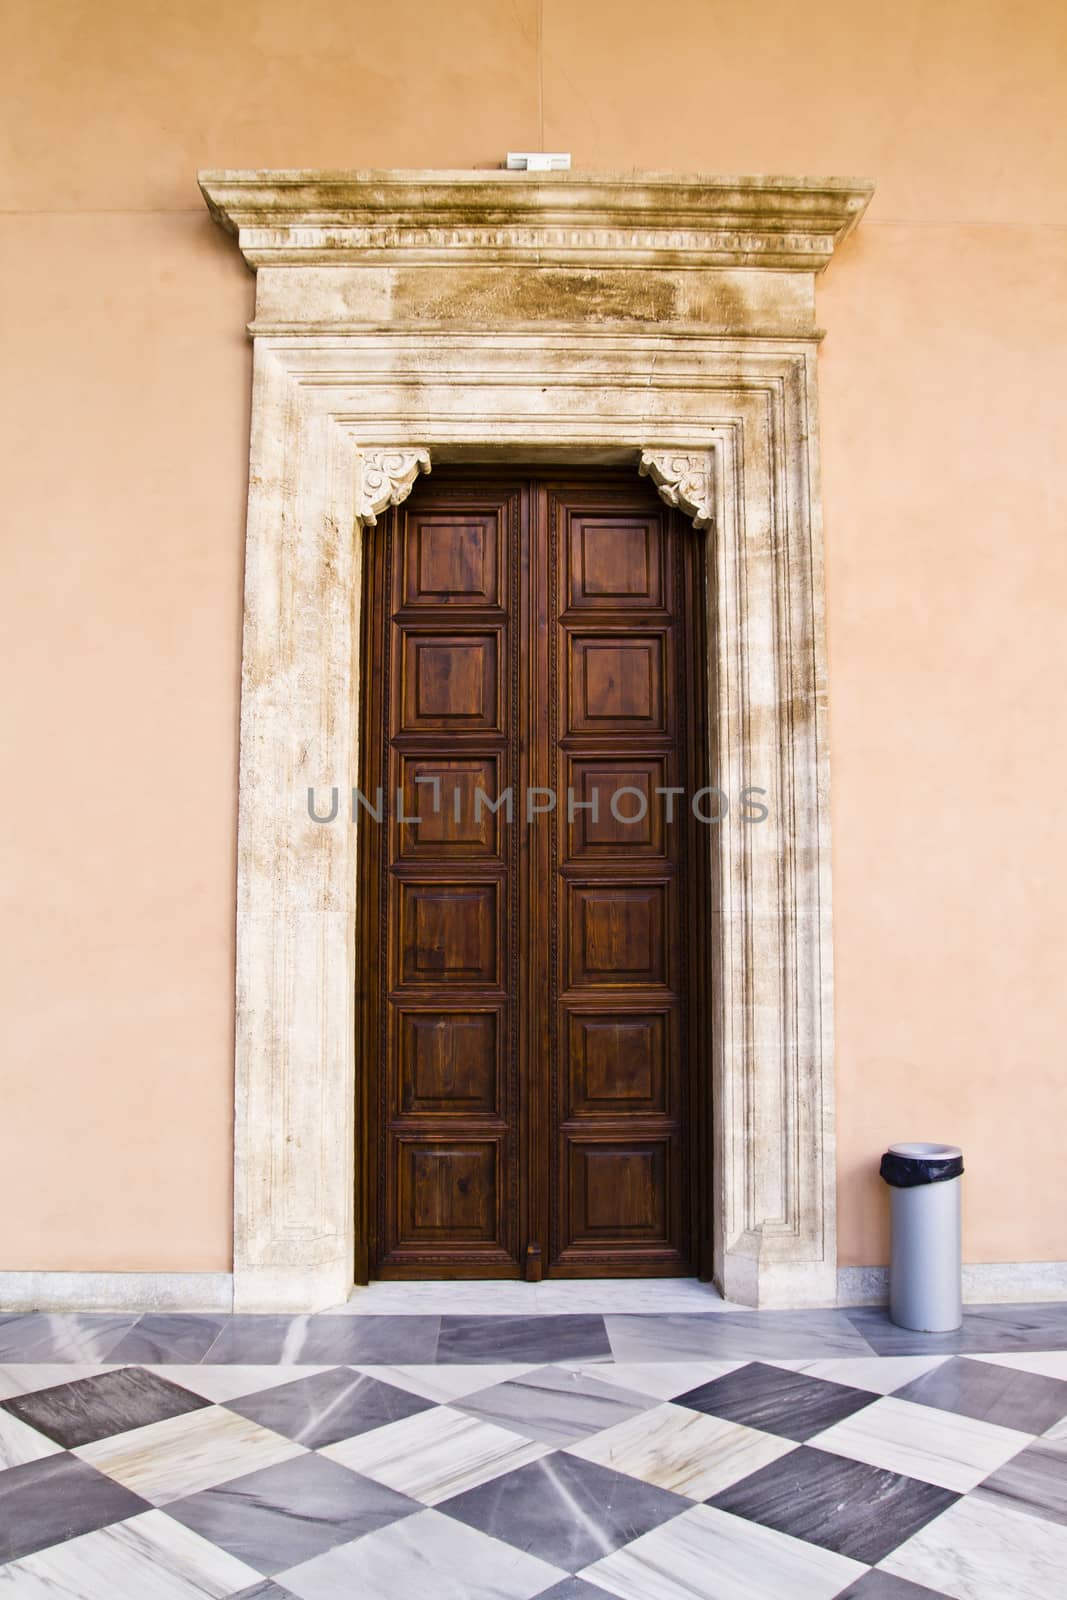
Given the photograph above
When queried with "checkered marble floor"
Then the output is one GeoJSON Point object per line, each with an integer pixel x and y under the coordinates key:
{"type": "Point", "coordinates": [718, 1455]}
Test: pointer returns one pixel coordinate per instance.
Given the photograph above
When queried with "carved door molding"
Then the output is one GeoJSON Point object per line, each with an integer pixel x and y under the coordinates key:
{"type": "Point", "coordinates": [408, 318]}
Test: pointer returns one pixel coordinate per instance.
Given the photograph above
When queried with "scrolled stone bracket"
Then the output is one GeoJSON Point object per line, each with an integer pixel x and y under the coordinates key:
{"type": "Point", "coordinates": [684, 479]}
{"type": "Point", "coordinates": [389, 476]}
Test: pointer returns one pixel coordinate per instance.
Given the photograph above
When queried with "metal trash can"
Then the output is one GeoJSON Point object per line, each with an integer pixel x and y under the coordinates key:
{"type": "Point", "coordinates": [926, 1274]}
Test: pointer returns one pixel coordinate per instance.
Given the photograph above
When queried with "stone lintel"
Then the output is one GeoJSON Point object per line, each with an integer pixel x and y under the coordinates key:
{"type": "Point", "coordinates": [571, 219]}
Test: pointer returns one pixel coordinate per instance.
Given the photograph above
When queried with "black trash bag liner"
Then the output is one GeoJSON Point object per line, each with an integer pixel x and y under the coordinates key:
{"type": "Point", "coordinates": [908, 1172]}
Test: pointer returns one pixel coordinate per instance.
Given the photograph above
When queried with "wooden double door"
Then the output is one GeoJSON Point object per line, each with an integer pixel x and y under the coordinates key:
{"type": "Point", "coordinates": [534, 1099]}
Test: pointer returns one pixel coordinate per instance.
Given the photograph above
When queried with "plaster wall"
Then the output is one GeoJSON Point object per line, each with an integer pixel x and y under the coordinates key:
{"type": "Point", "coordinates": [124, 449]}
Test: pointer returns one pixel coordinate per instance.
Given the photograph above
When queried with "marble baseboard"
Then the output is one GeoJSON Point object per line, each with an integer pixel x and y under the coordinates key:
{"type": "Point", "coordinates": [984, 1283]}
{"type": "Point", "coordinates": [116, 1291]}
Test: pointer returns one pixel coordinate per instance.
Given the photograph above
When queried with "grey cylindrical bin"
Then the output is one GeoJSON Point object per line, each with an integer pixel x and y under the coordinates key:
{"type": "Point", "coordinates": [926, 1274]}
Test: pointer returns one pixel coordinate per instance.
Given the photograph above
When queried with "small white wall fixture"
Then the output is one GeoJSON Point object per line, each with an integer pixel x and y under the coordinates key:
{"type": "Point", "coordinates": [405, 319]}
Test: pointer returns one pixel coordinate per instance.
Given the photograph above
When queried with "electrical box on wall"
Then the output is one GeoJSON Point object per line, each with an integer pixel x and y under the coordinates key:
{"type": "Point", "coordinates": [538, 161]}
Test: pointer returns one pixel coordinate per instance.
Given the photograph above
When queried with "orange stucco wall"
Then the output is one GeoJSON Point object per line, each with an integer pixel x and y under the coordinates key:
{"type": "Point", "coordinates": [126, 376]}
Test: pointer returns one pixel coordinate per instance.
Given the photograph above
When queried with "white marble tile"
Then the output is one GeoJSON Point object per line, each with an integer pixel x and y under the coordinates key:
{"type": "Point", "coordinates": [877, 1374]}
{"type": "Point", "coordinates": [446, 1382]}
{"type": "Point", "coordinates": [1049, 1363]}
{"type": "Point", "coordinates": [564, 1295]}
{"type": "Point", "coordinates": [427, 1555]}
{"type": "Point", "coordinates": [222, 1383]}
{"type": "Point", "coordinates": [476, 1299]}
{"type": "Point", "coordinates": [663, 1379]}
{"type": "Point", "coordinates": [939, 1447]}
{"type": "Point", "coordinates": [20, 1443]}
{"type": "Point", "coordinates": [149, 1555]}
{"type": "Point", "coordinates": [682, 1450]}
{"type": "Point", "coordinates": [182, 1455]}
{"type": "Point", "coordinates": [977, 1551]}
{"type": "Point", "coordinates": [435, 1454]}
{"type": "Point", "coordinates": [706, 1554]}
{"type": "Point", "coordinates": [27, 1379]}
{"type": "Point", "coordinates": [1057, 1431]}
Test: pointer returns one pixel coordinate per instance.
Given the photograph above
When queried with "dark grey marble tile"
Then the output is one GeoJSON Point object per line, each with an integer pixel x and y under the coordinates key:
{"type": "Point", "coordinates": [988, 1392]}
{"type": "Point", "coordinates": [287, 1514]}
{"type": "Point", "coordinates": [514, 1339]}
{"type": "Point", "coordinates": [325, 1341]}
{"type": "Point", "coordinates": [1034, 1481]}
{"type": "Point", "coordinates": [41, 1337]}
{"type": "Point", "coordinates": [554, 1405]}
{"type": "Point", "coordinates": [565, 1510]}
{"type": "Point", "coordinates": [96, 1408]}
{"type": "Point", "coordinates": [156, 1339]}
{"type": "Point", "coordinates": [329, 1406]}
{"type": "Point", "coordinates": [776, 1401]}
{"type": "Point", "coordinates": [883, 1586]}
{"type": "Point", "coordinates": [735, 1336]}
{"type": "Point", "coordinates": [845, 1506]}
{"type": "Point", "coordinates": [48, 1502]}
{"type": "Point", "coordinates": [989, 1328]}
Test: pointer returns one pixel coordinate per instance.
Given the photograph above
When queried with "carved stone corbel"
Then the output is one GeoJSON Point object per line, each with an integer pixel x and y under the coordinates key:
{"type": "Point", "coordinates": [388, 478]}
{"type": "Point", "coordinates": [684, 480]}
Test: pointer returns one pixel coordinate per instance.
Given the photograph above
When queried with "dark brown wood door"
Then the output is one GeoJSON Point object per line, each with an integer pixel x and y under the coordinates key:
{"type": "Point", "coordinates": [533, 1091]}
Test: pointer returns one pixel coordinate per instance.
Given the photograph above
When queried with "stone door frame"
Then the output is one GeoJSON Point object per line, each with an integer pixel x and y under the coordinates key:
{"type": "Point", "coordinates": [408, 319]}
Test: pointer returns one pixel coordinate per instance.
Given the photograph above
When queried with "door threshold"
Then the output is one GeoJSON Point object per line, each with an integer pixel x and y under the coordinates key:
{"type": "Point", "coordinates": [551, 1297]}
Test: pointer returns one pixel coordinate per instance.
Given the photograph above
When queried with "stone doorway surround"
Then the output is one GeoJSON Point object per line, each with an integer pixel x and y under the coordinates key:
{"type": "Point", "coordinates": [405, 319]}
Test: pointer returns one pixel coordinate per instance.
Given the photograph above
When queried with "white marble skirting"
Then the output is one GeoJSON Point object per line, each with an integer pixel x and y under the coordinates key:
{"type": "Point", "coordinates": [984, 1283]}
{"type": "Point", "coordinates": [116, 1291]}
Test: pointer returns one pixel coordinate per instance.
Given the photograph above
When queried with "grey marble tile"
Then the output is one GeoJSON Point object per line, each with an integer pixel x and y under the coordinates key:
{"type": "Point", "coordinates": [41, 1337]}
{"type": "Point", "coordinates": [284, 1515]}
{"type": "Point", "coordinates": [332, 1405]}
{"type": "Point", "coordinates": [76, 1413]}
{"type": "Point", "coordinates": [47, 1502]}
{"type": "Point", "coordinates": [729, 1335]}
{"type": "Point", "coordinates": [846, 1506]}
{"type": "Point", "coordinates": [564, 1510]}
{"type": "Point", "coordinates": [985, 1328]}
{"type": "Point", "coordinates": [883, 1586]}
{"type": "Point", "coordinates": [267, 1590]}
{"type": "Point", "coordinates": [1034, 1481]}
{"type": "Point", "coordinates": [777, 1401]}
{"type": "Point", "coordinates": [158, 1338]}
{"type": "Point", "coordinates": [248, 1340]}
{"type": "Point", "coordinates": [1026, 1401]}
{"type": "Point", "coordinates": [555, 1405]}
{"type": "Point", "coordinates": [572, 1589]}
{"type": "Point", "coordinates": [543, 1339]}
{"type": "Point", "coordinates": [325, 1341]}
{"type": "Point", "coordinates": [396, 1341]}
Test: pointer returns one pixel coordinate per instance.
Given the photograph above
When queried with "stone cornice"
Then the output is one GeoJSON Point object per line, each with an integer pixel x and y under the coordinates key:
{"type": "Point", "coordinates": [571, 219]}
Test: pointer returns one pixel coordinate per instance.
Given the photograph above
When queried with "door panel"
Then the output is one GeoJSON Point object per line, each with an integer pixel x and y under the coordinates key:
{"type": "Point", "coordinates": [617, 683]}
{"type": "Point", "coordinates": [532, 1089]}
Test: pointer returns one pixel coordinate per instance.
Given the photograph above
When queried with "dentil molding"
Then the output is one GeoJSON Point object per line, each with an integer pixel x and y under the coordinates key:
{"type": "Point", "coordinates": [409, 318]}
{"type": "Point", "coordinates": [304, 217]}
